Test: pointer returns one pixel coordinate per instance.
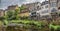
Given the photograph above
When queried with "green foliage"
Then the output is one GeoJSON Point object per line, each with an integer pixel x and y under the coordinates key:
{"type": "Point", "coordinates": [28, 23]}
{"type": "Point", "coordinates": [16, 14]}
{"type": "Point", "coordinates": [24, 18]}
{"type": "Point", "coordinates": [54, 26]}
{"type": "Point", "coordinates": [22, 8]}
{"type": "Point", "coordinates": [12, 15]}
{"type": "Point", "coordinates": [2, 18]}
{"type": "Point", "coordinates": [9, 15]}
{"type": "Point", "coordinates": [6, 22]}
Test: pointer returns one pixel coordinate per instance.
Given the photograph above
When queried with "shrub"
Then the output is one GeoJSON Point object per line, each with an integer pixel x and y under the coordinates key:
{"type": "Point", "coordinates": [2, 18]}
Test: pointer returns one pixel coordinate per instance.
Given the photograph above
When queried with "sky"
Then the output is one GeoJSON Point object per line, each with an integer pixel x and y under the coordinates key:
{"type": "Point", "coordinates": [5, 3]}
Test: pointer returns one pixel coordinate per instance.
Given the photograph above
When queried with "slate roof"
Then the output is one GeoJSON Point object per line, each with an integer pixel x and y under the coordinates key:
{"type": "Point", "coordinates": [44, 3]}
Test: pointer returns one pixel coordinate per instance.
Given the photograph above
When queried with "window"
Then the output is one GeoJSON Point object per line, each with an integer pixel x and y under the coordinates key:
{"type": "Point", "coordinates": [46, 11]}
{"type": "Point", "coordinates": [33, 13]}
{"type": "Point", "coordinates": [53, 4]}
{"type": "Point", "coordinates": [59, 8]}
{"type": "Point", "coordinates": [37, 7]}
{"type": "Point", "coordinates": [59, 14]}
{"type": "Point", "coordinates": [53, 10]}
{"type": "Point", "coordinates": [46, 16]}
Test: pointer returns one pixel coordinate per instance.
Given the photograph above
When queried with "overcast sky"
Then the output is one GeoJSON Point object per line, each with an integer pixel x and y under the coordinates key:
{"type": "Point", "coordinates": [5, 3]}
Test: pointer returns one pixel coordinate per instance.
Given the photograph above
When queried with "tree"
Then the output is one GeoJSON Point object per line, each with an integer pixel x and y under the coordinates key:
{"type": "Point", "coordinates": [16, 14]}
{"type": "Point", "coordinates": [12, 14]}
{"type": "Point", "coordinates": [2, 18]}
{"type": "Point", "coordinates": [22, 8]}
{"type": "Point", "coordinates": [9, 15]}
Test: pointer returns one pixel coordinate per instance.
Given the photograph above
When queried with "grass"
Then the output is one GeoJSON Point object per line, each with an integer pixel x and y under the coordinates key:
{"type": "Point", "coordinates": [25, 22]}
{"type": "Point", "coordinates": [54, 26]}
{"type": "Point", "coordinates": [1, 23]}
{"type": "Point", "coordinates": [28, 22]}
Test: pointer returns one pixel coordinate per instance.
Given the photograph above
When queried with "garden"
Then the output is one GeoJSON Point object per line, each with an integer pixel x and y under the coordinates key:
{"type": "Point", "coordinates": [13, 22]}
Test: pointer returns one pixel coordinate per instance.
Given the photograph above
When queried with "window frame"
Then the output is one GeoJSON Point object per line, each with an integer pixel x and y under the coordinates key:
{"type": "Point", "coordinates": [53, 4]}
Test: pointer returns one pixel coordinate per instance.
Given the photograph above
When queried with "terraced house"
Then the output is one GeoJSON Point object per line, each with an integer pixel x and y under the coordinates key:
{"type": "Point", "coordinates": [30, 9]}
{"type": "Point", "coordinates": [24, 13]}
{"type": "Point", "coordinates": [36, 7]}
{"type": "Point", "coordinates": [36, 10]}
{"type": "Point", "coordinates": [44, 12]}
{"type": "Point", "coordinates": [48, 9]}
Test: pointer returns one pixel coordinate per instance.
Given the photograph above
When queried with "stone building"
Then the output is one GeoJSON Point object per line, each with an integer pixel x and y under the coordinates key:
{"type": "Point", "coordinates": [53, 8]}
{"type": "Point", "coordinates": [53, 5]}
{"type": "Point", "coordinates": [59, 7]}
{"type": "Point", "coordinates": [32, 6]}
{"type": "Point", "coordinates": [24, 12]}
{"type": "Point", "coordinates": [58, 4]}
{"type": "Point", "coordinates": [31, 9]}
{"type": "Point", "coordinates": [11, 8]}
{"type": "Point", "coordinates": [1, 12]}
{"type": "Point", "coordinates": [48, 9]}
{"type": "Point", "coordinates": [44, 12]}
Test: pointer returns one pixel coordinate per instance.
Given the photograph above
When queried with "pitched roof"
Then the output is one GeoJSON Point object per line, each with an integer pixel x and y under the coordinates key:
{"type": "Point", "coordinates": [44, 3]}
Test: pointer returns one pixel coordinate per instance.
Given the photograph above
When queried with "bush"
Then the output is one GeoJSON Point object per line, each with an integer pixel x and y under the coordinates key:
{"type": "Point", "coordinates": [24, 18]}
{"type": "Point", "coordinates": [2, 18]}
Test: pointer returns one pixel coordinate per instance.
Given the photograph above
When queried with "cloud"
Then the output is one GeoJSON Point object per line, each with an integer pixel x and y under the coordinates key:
{"type": "Point", "coordinates": [34, 0]}
{"type": "Point", "coordinates": [6, 3]}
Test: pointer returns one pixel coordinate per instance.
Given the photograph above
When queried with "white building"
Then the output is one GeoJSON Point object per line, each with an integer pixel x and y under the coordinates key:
{"type": "Point", "coordinates": [59, 7]}
{"type": "Point", "coordinates": [53, 5]}
{"type": "Point", "coordinates": [48, 7]}
{"type": "Point", "coordinates": [44, 11]}
{"type": "Point", "coordinates": [33, 10]}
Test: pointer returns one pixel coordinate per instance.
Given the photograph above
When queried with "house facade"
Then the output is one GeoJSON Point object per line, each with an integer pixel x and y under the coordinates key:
{"type": "Point", "coordinates": [45, 12]}
{"type": "Point", "coordinates": [53, 5]}
{"type": "Point", "coordinates": [31, 9]}
{"type": "Point", "coordinates": [49, 9]}
{"type": "Point", "coordinates": [24, 12]}
{"type": "Point", "coordinates": [59, 7]}
{"type": "Point", "coordinates": [11, 8]}
{"type": "Point", "coordinates": [38, 10]}
{"type": "Point", "coordinates": [1, 12]}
